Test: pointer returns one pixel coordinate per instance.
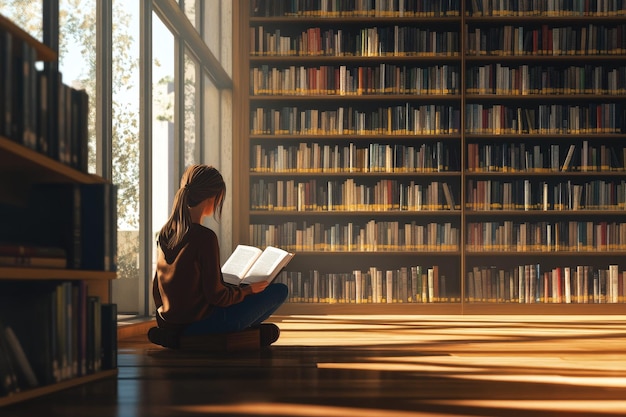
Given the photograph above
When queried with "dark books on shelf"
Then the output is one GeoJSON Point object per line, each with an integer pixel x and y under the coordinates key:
{"type": "Point", "coordinates": [51, 332]}
{"type": "Point", "coordinates": [15, 254]}
{"type": "Point", "coordinates": [56, 213]}
{"type": "Point", "coordinates": [94, 334]}
{"type": "Point", "coordinates": [109, 335]}
{"type": "Point", "coordinates": [82, 219]}
{"type": "Point", "coordinates": [25, 373]}
{"type": "Point", "coordinates": [8, 127]}
{"type": "Point", "coordinates": [99, 226]}
{"type": "Point", "coordinates": [30, 309]}
{"type": "Point", "coordinates": [8, 375]}
{"type": "Point", "coordinates": [37, 110]}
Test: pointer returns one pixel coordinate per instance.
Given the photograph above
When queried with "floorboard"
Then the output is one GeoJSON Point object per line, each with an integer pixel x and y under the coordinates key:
{"type": "Point", "coordinates": [383, 366]}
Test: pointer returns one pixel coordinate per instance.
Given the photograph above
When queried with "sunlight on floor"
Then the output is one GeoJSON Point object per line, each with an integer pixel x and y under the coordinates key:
{"type": "Point", "coordinates": [440, 366]}
{"type": "Point", "coordinates": [302, 410]}
{"type": "Point", "coordinates": [575, 407]}
{"type": "Point", "coordinates": [309, 410]}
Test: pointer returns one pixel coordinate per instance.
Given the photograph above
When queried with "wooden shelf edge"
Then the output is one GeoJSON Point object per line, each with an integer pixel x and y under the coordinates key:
{"type": "Point", "coordinates": [49, 389]}
{"type": "Point", "coordinates": [544, 308]}
{"type": "Point", "coordinates": [53, 274]}
{"type": "Point", "coordinates": [369, 308]}
{"type": "Point", "coordinates": [371, 213]}
{"type": "Point", "coordinates": [355, 97]}
{"type": "Point", "coordinates": [291, 309]}
{"type": "Point", "coordinates": [511, 253]}
{"type": "Point", "coordinates": [28, 156]}
{"type": "Point", "coordinates": [383, 253]}
{"type": "Point", "coordinates": [454, 57]}
{"type": "Point", "coordinates": [355, 19]}
{"type": "Point", "coordinates": [44, 53]}
{"type": "Point", "coordinates": [411, 174]}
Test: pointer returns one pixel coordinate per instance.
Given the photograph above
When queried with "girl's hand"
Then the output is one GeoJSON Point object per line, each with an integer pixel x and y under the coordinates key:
{"type": "Point", "coordinates": [259, 286]}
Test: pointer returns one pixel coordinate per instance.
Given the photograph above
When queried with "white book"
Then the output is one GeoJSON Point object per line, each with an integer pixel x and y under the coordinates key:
{"type": "Point", "coordinates": [613, 284]}
{"type": "Point", "coordinates": [358, 285]}
{"type": "Point", "coordinates": [431, 284]}
{"type": "Point", "coordinates": [568, 158]}
{"type": "Point", "coordinates": [248, 264]}
{"type": "Point", "coordinates": [389, 286]}
{"type": "Point", "coordinates": [19, 357]}
{"type": "Point", "coordinates": [567, 284]}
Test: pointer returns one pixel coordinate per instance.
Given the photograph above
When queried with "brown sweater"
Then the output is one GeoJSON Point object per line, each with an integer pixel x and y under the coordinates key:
{"type": "Point", "coordinates": [188, 280]}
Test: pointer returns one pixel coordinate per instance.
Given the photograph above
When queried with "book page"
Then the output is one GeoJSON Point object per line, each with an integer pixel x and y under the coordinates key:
{"type": "Point", "coordinates": [238, 263]}
{"type": "Point", "coordinates": [268, 265]}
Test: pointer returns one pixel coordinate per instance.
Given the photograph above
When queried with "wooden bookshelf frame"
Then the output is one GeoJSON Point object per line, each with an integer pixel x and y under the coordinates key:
{"type": "Point", "coordinates": [49, 389]}
{"type": "Point", "coordinates": [44, 53]}
{"type": "Point", "coordinates": [20, 168]}
{"type": "Point", "coordinates": [243, 102]}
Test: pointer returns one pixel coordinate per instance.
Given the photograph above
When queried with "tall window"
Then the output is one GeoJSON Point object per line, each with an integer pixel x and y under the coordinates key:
{"type": "Point", "coordinates": [164, 172]}
{"type": "Point", "coordinates": [128, 289]}
{"type": "Point", "coordinates": [191, 151]}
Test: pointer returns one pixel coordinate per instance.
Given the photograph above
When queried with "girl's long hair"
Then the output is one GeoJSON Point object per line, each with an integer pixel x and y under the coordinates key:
{"type": "Point", "coordinates": [198, 183]}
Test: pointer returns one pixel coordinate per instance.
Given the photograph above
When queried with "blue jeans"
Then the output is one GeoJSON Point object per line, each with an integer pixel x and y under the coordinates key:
{"type": "Point", "coordinates": [252, 311]}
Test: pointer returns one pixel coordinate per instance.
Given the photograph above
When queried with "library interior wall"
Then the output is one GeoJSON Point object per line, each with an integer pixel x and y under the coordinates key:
{"type": "Point", "coordinates": [469, 138]}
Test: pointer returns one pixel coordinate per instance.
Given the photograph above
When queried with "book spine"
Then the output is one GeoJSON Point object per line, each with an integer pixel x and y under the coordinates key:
{"type": "Point", "coordinates": [109, 335]}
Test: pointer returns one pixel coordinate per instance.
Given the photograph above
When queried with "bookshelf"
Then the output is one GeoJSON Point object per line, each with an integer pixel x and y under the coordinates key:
{"type": "Point", "coordinates": [543, 228]}
{"type": "Point", "coordinates": [22, 167]}
{"type": "Point", "coordinates": [365, 126]}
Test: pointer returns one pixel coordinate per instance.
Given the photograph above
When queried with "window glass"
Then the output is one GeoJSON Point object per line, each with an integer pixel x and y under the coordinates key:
{"type": "Point", "coordinates": [191, 119]}
{"type": "Point", "coordinates": [164, 180]}
{"type": "Point", "coordinates": [129, 288]}
{"type": "Point", "coordinates": [25, 14]}
{"type": "Point", "coordinates": [77, 57]}
{"type": "Point", "coordinates": [190, 11]}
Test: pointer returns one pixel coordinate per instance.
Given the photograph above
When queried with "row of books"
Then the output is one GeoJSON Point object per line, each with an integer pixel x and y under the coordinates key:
{"type": "Point", "coordinates": [545, 118]}
{"type": "Point", "coordinates": [51, 332]}
{"type": "Point", "coordinates": [530, 283]}
{"type": "Point", "coordinates": [436, 157]}
{"type": "Point", "coordinates": [529, 80]}
{"type": "Point", "coordinates": [377, 41]}
{"type": "Point", "coordinates": [519, 157]}
{"type": "Point", "coordinates": [410, 41]}
{"type": "Point", "coordinates": [19, 255]}
{"type": "Point", "coordinates": [348, 195]}
{"type": "Point", "coordinates": [525, 284]}
{"type": "Point", "coordinates": [434, 8]}
{"type": "Point", "coordinates": [437, 80]}
{"type": "Point", "coordinates": [407, 284]}
{"type": "Point", "coordinates": [354, 80]}
{"type": "Point", "coordinates": [370, 236]}
{"type": "Point", "coordinates": [38, 110]}
{"type": "Point", "coordinates": [372, 157]}
{"type": "Point", "coordinates": [530, 195]}
{"type": "Point", "coordinates": [546, 8]}
{"type": "Point", "coordinates": [393, 195]}
{"type": "Point", "coordinates": [354, 8]}
{"type": "Point", "coordinates": [403, 119]}
{"type": "Point", "coordinates": [587, 39]}
{"type": "Point", "coordinates": [570, 236]}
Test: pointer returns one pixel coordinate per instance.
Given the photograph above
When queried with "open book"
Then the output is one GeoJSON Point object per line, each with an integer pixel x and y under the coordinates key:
{"type": "Point", "coordinates": [250, 264]}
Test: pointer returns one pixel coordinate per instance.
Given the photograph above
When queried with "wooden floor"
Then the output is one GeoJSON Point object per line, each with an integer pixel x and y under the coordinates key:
{"type": "Point", "coordinates": [385, 366]}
